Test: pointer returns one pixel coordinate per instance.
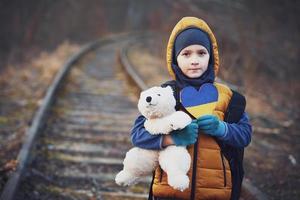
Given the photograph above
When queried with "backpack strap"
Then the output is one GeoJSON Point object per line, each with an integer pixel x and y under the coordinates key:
{"type": "Point", "coordinates": [236, 108]}
{"type": "Point", "coordinates": [233, 114]}
{"type": "Point", "coordinates": [150, 195]}
{"type": "Point", "coordinates": [176, 90]}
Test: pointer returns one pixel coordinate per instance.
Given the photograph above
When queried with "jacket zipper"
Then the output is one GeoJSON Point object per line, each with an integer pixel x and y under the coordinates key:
{"type": "Point", "coordinates": [224, 169]}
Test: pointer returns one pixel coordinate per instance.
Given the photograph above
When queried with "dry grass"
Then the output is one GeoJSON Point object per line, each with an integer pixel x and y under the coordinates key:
{"type": "Point", "coordinates": [22, 88]}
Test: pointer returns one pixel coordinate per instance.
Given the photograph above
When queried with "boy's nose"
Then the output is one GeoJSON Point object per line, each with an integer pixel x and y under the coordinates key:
{"type": "Point", "coordinates": [148, 99]}
{"type": "Point", "coordinates": [195, 63]}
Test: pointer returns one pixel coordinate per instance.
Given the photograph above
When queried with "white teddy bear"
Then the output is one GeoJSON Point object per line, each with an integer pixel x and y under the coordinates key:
{"type": "Point", "coordinates": [157, 104]}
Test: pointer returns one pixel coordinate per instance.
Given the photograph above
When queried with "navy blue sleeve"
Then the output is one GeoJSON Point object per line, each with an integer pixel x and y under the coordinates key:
{"type": "Point", "coordinates": [238, 134]}
{"type": "Point", "coordinates": [140, 137]}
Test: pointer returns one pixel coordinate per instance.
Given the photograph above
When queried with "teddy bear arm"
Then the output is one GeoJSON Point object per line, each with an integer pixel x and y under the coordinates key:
{"type": "Point", "coordinates": [158, 126]}
{"type": "Point", "coordinates": [179, 120]}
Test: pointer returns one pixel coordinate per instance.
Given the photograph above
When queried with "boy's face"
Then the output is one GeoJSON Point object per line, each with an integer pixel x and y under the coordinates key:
{"type": "Point", "coordinates": [193, 60]}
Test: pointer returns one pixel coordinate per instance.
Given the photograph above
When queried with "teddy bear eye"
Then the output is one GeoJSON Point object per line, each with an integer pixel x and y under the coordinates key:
{"type": "Point", "coordinates": [158, 94]}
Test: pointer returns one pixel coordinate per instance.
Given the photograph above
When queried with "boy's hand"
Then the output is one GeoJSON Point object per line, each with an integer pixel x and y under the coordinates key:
{"type": "Point", "coordinates": [211, 125]}
{"type": "Point", "coordinates": [185, 136]}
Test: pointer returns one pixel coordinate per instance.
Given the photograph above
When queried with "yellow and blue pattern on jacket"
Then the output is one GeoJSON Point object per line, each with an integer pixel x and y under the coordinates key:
{"type": "Point", "coordinates": [201, 102]}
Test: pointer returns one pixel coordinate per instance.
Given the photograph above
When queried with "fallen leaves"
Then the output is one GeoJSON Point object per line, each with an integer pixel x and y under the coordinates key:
{"type": "Point", "coordinates": [11, 165]}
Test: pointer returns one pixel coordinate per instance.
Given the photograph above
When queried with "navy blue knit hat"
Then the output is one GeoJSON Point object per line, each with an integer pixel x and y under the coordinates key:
{"type": "Point", "coordinates": [191, 36]}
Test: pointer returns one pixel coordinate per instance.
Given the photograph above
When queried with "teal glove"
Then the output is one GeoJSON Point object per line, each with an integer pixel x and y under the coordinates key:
{"type": "Point", "coordinates": [185, 136]}
{"type": "Point", "coordinates": [211, 125]}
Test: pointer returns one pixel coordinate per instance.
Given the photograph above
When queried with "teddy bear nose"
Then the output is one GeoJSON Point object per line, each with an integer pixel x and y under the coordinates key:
{"type": "Point", "coordinates": [148, 99]}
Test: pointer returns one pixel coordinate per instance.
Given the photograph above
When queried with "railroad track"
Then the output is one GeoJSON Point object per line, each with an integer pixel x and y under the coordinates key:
{"type": "Point", "coordinates": [80, 135]}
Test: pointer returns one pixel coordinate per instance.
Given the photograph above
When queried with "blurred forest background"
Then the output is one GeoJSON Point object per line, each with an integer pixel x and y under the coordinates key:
{"type": "Point", "coordinates": [259, 50]}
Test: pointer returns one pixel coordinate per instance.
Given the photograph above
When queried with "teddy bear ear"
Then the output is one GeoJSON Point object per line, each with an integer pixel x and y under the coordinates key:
{"type": "Point", "coordinates": [141, 94]}
{"type": "Point", "coordinates": [169, 88]}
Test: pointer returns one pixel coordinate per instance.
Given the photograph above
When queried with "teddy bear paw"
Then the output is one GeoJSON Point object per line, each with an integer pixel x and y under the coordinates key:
{"type": "Point", "coordinates": [179, 182]}
{"type": "Point", "coordinates": [125, 179]}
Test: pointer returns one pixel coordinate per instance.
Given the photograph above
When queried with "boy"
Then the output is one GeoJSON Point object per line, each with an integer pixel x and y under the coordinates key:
{"type": "Point", "coordinates": [216, 139]}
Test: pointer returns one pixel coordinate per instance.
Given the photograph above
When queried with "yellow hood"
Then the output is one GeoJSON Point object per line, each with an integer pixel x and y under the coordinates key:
{"type": "Point", "coordinates": [188, 22]}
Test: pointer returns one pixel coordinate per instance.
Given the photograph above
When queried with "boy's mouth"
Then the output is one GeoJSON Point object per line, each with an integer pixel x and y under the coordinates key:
{"type": "Point", "coordinates": [196, 69]}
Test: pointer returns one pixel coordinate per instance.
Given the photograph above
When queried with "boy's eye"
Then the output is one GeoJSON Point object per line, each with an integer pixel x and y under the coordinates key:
{"type": "Point", "coordinates": [202, 53]}
{"type": "Point", "coordinates": [185, 54]}
{"type": "Point", "coordinates": [158, 94]}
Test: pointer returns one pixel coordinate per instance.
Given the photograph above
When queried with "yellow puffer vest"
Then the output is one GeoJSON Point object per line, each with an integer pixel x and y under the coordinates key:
{"type": "Point", "coordinates": [213, 176]}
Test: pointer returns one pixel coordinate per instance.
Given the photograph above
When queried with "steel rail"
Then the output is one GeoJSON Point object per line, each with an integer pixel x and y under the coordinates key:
{"type": "Point", "coordinates": [40, 118]}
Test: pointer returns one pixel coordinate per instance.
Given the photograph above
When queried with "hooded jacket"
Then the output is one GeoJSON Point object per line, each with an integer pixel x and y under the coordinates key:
{"type": "Point", "coordinates": [217, 169]}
